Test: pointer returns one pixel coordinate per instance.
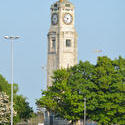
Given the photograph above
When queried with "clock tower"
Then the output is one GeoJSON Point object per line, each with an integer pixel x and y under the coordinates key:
{"type": "Point", "coordinates": [62, 38]}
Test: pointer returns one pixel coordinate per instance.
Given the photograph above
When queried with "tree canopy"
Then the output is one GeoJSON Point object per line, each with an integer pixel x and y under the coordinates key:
{"type": "Point", "coordinates": [6, 87]}
{"type": "Point", "coordinates": [21, 106]}
{"type": "Point", "coordinates": [102, 84]}
{"type": "Point", "coordinates": [24, 111]}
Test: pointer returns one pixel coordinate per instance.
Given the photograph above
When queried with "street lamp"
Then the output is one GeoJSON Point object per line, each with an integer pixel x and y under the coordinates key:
{"type": "Point", "coordinates": [11, 38]}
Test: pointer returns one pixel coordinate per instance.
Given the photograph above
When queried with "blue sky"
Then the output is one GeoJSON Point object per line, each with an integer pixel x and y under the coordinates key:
{"type": "Point", "coordinates": [100, 25]}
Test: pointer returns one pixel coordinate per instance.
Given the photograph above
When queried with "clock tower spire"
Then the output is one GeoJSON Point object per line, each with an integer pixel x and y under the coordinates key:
{"type": "Point", "coordinates": [62, 38]}
{"type": "Point", "coordinates": [61, 0]}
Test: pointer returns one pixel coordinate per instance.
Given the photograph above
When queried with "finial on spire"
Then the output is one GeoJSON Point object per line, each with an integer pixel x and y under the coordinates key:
{"type": "Point", "coordinates": [61, 0]}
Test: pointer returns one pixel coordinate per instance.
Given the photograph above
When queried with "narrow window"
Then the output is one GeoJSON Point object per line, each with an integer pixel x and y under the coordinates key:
{"type": "Point", "coordinates": [68, 43]}
{"type": "Point", "coordinates": [53, 43]}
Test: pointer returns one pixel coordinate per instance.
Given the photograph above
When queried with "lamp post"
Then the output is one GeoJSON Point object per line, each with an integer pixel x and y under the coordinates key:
{"type": "Point", "coordinates": [84, 111]}
{"type": "Point", "coordinates": [44, 69]}
{"type": "Point", "coordinates": [11, 38]}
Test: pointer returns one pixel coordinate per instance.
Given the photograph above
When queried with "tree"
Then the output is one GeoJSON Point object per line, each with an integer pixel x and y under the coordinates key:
{"type": "Point", "coordinates": [65, 97]}
{"type": "Point", "coordinates": [21, 106]}
{"type": "Point", "coordinates": [24, 111]}
{"type": "Point", "coordinates": [102, 86]}
{"type": "Point", "coordinates": [110, 108]}
{"type": "Point", "coordinates": [6, 87]}
{"type": "Point", "coordinates": [5, 109]}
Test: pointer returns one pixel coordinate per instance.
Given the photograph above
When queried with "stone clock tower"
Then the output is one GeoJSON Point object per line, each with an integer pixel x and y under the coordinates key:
{"type": "Point", "coordinates": [62, 38]}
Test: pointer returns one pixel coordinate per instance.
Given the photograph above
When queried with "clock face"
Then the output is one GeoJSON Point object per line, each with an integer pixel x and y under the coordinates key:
{"type": "Point", "coordinates": [67, 18]}
{"type": "Point", "coordinates": [54, 19]}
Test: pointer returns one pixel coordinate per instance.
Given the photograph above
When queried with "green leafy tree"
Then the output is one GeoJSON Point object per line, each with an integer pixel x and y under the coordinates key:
{"type": "Point", "coordinates": [6, 87]}
{"type": "Point", "coordinates": [24, 111]}
{"type": "Point", "coordinates": [21, 106]}
{"type": "Point", "coordinates": [101, 84]}
{"type": "Point", "coordinates": [110, 98]}
{"type": "Point", "coordinates": [65, 98]}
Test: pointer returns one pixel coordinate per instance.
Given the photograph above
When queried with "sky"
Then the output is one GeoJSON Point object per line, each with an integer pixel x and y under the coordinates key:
{"type": "Point", "coordinates": [100, 25]}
